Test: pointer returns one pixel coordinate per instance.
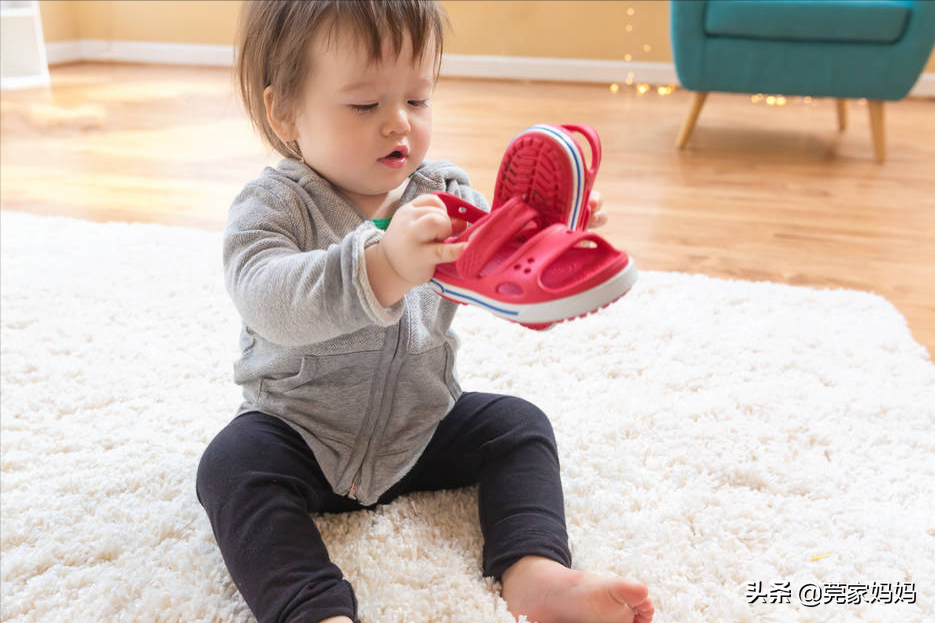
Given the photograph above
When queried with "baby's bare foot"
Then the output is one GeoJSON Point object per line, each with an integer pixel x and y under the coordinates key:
{"type": "Point", "coordinates": [548, 592]}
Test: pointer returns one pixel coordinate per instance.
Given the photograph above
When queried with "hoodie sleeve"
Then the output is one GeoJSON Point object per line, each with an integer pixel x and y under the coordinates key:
{"type": "Point", "coordinates": [467, 193]}
{"type": "Point", "coordinates": [294, 297]}
{"type": "Point", "coordinates": [447, 176]}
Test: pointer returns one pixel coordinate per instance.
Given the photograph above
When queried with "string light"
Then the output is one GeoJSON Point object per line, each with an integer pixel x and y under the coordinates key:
{"type": "Point", "coordinates": [628, 27]}
{"type": "Point", "coordinates": [646, 48]}
{"type": "Point", "coordinates": [775, 100]}
{"type": "Point", "coordinates": [631, 12]}
{"type": "Point", "coordinates": [627, 57]}
{"type": "Point", "coordinates": [643, 88]}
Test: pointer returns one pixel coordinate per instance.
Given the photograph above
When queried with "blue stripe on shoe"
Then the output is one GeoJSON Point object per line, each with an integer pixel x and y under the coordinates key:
{"type": "Point", "coordinates": [470, 299]}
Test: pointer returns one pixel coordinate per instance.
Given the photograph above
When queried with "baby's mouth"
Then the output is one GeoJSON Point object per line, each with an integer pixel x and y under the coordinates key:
{"type": "Point", "coordinates": [396, 158]}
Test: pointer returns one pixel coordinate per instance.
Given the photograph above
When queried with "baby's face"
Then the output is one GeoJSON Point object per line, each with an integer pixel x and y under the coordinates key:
{"type": "Point", "coordinates": [354, 115]}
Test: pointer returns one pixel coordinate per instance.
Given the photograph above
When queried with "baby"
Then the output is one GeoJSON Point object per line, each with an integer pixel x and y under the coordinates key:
{"type": "Point", "coordinates": [347, 368]}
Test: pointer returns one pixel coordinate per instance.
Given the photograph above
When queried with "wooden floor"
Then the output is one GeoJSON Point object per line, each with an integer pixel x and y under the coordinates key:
{"type": "Point", "coordinates": [761, 192]}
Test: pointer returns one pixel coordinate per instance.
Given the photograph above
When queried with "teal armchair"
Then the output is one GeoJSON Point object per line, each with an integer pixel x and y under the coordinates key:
{"type": "Point", "coordinates": [873, 49]}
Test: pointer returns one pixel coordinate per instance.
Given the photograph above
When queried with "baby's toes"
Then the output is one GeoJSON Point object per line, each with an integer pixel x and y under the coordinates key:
{"type": "Point", "coordinates": [614, 602]}
{"type": "Point", "coordinates": [631, 593]}
{"type": "Point", "coordinates": [643, 612]}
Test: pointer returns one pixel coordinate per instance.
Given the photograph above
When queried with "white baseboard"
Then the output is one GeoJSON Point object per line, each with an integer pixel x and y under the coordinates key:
{"type": "Point", "coordinates": [561, 69]}
{"type": "Point", "coordinates": [925, 86]}
{"type": "Point", "coordinates": [63, 52]}
{"type": "Point", "coordinates": [453, 65]}
{"type": "Point", "coordinates": [589, 70]}
{"type": "Point", "coordinates": [140, 52]}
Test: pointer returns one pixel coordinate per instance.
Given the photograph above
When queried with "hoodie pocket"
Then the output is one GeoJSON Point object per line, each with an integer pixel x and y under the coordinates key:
{"type": "Point", "coordinates": [284, 385]}
{"type": "Point", "coordinates": [422, 396]}
{"type": "Point", "coordinates": [330, 393]}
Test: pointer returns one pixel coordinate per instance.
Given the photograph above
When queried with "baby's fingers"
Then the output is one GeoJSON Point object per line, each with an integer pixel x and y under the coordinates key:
{"type": "Point", "coordinates": [595, 200]}
{"type": "Point", "coordinates": [597, 219]}
{"type": "Point", "coordinates": [432, 224]}
{"type": "Point", "coordinates": [458, 226]}
{"type": "Point", "coordinates": [447, 252]}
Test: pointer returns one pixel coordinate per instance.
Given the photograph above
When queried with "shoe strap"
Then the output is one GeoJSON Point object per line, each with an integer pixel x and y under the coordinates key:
{"type": "Point", "coordinates": [553, 241]}
{"type": "Point", "coordinates": [488, 235]}
{"type": "Point", "coordinates": [460, 209]}
{"type": "Point", "coordinates": [594, 143]}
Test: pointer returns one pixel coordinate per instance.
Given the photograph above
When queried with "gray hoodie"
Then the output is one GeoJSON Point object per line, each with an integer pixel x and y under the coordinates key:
{"type": "Point", "coordinates": [365, 386]}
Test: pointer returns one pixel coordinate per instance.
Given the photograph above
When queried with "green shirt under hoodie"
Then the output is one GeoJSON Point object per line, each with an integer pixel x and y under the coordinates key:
{"type": "Point", "coordinates": [364, 385]}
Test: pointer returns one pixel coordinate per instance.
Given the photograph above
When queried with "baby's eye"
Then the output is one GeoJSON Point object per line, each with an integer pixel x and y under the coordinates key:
{"type": "Point", "coordinates": [363, 107]}
{"type": "Point", "coordinates": [419, 103]}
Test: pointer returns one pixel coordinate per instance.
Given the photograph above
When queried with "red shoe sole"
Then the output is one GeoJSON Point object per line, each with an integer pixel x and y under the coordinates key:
{"type": "Point", "coordinates": [538, 169]}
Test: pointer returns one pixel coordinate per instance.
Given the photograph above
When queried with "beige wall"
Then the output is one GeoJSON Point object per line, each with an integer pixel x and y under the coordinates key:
{"type": "Point", "coordinates": [59, 21]}
{"type": "Point", "coordinates": [171, 21]}
{"type": "Point", "coordinates": [583, 29]}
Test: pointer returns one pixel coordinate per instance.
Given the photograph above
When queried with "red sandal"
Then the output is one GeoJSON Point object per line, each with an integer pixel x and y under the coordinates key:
{"type": "Point", "coordinates": [521, 271]}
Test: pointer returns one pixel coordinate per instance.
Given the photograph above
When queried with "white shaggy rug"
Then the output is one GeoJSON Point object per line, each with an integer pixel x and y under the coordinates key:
{"type": "Point", "coordinates": [712, 433]}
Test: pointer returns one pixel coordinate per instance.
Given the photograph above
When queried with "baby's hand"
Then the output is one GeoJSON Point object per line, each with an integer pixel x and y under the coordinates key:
{"type": "Point", "coordinates": [598, 216]}
{"type": "Point", "coordinates": [413, 241]}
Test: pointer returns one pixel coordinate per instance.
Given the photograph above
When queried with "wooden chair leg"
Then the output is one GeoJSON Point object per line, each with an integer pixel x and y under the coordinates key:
{"type": "Point", "coordinates": [842, 114]}
{"type": "Point", "coordinates": [689, 125]}
{"type": "Point", "coordinates": [876, 127]}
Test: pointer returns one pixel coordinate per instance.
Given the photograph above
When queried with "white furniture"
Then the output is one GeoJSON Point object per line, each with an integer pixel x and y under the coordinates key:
{"type": "Point", "coordinates": [22, 46]}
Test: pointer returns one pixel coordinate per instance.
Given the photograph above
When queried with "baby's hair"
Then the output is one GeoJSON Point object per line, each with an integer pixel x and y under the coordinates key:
{"type": "Point", "coordinates": [273, 40]}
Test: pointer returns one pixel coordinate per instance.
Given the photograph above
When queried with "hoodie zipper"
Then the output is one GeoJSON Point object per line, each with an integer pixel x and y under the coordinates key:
{"type": "Point", "coordinates": [355, 483]}
{"type": "Point", "coordinates": [352, 493]}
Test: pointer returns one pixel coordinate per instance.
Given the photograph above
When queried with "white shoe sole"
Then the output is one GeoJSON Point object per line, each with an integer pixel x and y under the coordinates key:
{"type": "Point", "coordinates": [552, 311]}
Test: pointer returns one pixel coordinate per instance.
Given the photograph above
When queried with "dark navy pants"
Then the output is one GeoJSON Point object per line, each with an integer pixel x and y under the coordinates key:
{"type": "Point", "coordinates": [259, 482]}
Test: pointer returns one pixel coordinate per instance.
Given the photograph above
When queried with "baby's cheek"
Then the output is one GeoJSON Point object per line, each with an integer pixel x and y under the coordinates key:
{"type": "Point", "coordinates": [422, 130]}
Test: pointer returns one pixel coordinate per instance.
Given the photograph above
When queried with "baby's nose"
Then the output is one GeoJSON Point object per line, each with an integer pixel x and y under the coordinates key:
{"type": "Point", "coordinates": [398, 122]}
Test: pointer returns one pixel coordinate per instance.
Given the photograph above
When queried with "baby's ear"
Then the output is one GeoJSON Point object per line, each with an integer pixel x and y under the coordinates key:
{"type": "Point", "coordinates": [280, 120]}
